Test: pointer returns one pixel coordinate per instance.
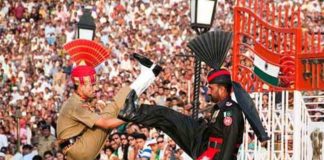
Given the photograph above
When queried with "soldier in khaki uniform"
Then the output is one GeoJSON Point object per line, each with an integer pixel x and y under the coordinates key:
{"type": "Point", "coordinates": [82, 132]}
{"type": "Point", "coordinates": [46, 141]}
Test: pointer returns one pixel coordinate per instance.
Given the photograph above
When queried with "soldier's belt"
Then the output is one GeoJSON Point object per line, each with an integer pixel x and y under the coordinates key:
{"type": "Point", "coordinates": [67, 143]}
{"type": "Point", "coordinates": [215, 142]}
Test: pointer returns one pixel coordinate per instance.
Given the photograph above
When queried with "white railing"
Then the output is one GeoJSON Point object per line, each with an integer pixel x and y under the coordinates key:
{"type": "Point", "coordinates": [315, 104]}
{"type": "Point", "coordinates": [315, 109]}
{"type": "Point", "coordinates": [287, 121]}
{"type": "Point", "coordinates": [302, 143]}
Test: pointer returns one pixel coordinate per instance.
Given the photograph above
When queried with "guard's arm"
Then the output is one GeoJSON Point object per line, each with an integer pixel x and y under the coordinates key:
{"type": "Point", "coordinates": [108, 123]}
{"type": "Point", "coordinates": [91, 119]}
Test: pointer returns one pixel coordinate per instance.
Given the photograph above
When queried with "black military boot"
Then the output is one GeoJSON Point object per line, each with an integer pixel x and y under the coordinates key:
{"type": "Point", "coordinates": [148, 74]}
{"type": "Point", "coordinates": [147, 63]}
{"type": "Point", "coordinates": [130, 107]}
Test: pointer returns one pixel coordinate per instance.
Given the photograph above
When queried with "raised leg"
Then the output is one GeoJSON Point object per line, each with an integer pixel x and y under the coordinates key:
{"type": "Point", "coordinates": [188, 133]}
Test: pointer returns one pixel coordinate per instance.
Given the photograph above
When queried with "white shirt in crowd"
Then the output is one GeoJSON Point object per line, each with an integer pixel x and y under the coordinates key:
{"type": "Point", "coordinates": [3, 141]}
{"type": "Point", "coordinates": [30, 156]}
{"type": "Point", "coordinates": [47, 69]}
{"type": "Point", "coordinates": [113, 73]}
{"type": "Point", "coordinates": [69, 35]}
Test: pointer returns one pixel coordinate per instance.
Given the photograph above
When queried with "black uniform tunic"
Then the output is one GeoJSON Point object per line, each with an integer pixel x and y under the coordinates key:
{"type": "Point", "coordinates": [193, 135]}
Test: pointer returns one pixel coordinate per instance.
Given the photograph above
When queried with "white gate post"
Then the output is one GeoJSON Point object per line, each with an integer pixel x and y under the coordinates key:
{"type": "Point", "coordinates": [297, 126]}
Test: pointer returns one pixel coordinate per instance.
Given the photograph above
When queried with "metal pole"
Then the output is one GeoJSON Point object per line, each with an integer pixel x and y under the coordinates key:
{"type": "Point", "coordinates": [196, 89]}
{"type": "Point", "coordinates": [18, 128]}
{"type": "Point", "coordinates": [196, 103]}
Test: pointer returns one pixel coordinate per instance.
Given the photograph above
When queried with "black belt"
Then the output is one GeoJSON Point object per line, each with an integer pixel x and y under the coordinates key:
{"type": "Point", "coordinates": [68, 142]}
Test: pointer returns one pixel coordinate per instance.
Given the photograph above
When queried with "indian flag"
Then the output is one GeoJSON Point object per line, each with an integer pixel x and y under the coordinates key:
{"type": "Point", "coordinates": [266, 71]}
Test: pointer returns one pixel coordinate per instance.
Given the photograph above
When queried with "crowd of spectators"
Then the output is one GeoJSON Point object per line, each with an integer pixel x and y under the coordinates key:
{"type": "Point", "coordinates": [34, 80]}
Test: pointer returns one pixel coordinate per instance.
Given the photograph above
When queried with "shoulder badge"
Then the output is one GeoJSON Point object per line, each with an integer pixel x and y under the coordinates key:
{"type": "Point", "coordinates": [228, 104]}
{"type": "Point", "coordinates": [227, 113]}
{"type": "Point", "coordinates": [227, 121]}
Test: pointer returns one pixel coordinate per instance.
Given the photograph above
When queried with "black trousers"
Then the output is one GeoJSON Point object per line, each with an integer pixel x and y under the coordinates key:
{"type": "Point", "coordinates": [191, 135]}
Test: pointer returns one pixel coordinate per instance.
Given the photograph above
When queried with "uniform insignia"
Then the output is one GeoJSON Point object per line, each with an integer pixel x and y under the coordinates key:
{"type": "Point", "coordinates": [228, 104]}
{"type": "Point", "coordinates": [228, 121]}
{"type": "Point", "coordinates": [227, 114]}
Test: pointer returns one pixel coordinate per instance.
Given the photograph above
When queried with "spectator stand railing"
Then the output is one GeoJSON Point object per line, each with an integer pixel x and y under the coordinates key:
{"type": "Point", "coordinates": [273, 55]}
{"type": "Point", "coordinates": [290, 134]}
{"type": "Point", "coordinates": [276, 113]}
{"type": "Point", "coordinates": [317, 121]}
{"type": "Point", "coordinates": [315, 107]}
{"type": "Point", "coordinates": [302, 129]}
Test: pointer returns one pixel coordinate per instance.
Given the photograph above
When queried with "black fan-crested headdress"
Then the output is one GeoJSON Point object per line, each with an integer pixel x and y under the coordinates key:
{"type": "Point", "coordinates": [212, 47]}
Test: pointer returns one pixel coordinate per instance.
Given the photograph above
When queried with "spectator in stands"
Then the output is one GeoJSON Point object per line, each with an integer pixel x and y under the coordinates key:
{"type": "Point", "coordinates": [59, 155]}
{"type": "Point", "coordinates": [144, 151]}
{"type": "Point", "coordinates": [117, 142]}
{"type": "Point", "coordinates": [132, 149]}
{"type": "Point", "coordinates": [132, 128]}
{"type": "Point", "coordinates": [46, 141]}
{"type": "Point", "coordinates": [161, 145]}
{"type": "Point", "coordinates": [124, 146]}
{"type": "Point", "coordinates": [265, 101]}
{"type": "Point", "coordinates": [318, 116]}
{"type": "Point", "coordinates": [3, 138]}
{"type": "Point", "coordinates": [109, 152]}
{"type": "Point", "coordinates": [145, 131]}
{"type": "Point", "coordinates": [27, 152]}
{"type": "Point", "coordinates": [37, 157]}
{"type": "Point", "coordinates": [48, 155]}
{"type": "Point", "coordinates": [154, 149]}
{"type": "Point", "coordinates": [170, 151]}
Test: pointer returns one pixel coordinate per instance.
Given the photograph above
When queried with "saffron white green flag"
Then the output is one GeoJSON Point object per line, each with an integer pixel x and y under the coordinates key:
{"type": "Point", "coordinates": [266, 71]}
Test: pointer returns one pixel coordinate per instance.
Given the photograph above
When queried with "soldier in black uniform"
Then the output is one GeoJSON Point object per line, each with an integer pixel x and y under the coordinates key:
{"type": "Point", "coordinates": [218, 139]}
